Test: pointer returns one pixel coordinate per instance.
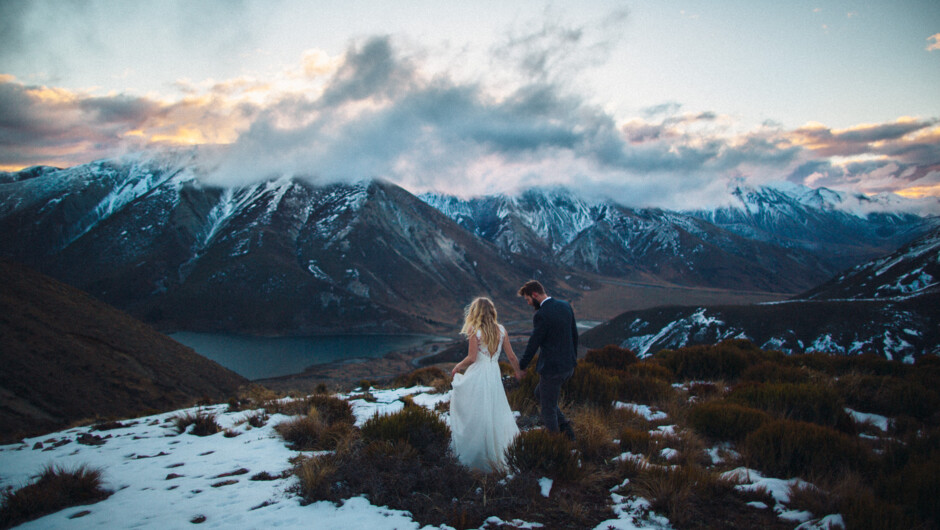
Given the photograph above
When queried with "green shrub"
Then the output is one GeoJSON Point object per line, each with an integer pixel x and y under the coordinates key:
{"type": "Point", "coordinates": [543, 452]}
{"type": "Point", "coordinates": [720, 420]}
{"type": "Point", "coordinates": [203, 423]}
{"type": "Point", "coordinates": [887, 395]}
{"type": "Point", "coordinates": [725, 360]}
{"type": "Point", "coordinates": [423, 429]}
{"type": "Point", "coordinates": [772, 372]}
{"type": "Point", "coordinates": [810, 402]}
{"type": "Point", "coordinates": [55, 489]}
{"type": "Point", "coordinates": [786, 448]}
{"type": "Point", "coordinates": [611, 356]}
{"type": "Point", "coordinates": [591, 385]}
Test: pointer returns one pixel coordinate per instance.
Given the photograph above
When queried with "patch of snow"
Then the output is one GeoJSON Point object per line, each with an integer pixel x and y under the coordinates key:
{"type": "Point", "coordinates": [829, 522]}
{"type": "Point", "coordinates": [545, 484]}
{"type": "Point", "coordinates": [826, 344]}
{"type": "Point", "coordinates": [668, 453]}
{"type": "Point", "coordinates": [162, 479]}
{"type": "Point", "coordinates": [877, 420]}
{"type": "Point", "coordinates": [633, 513]}
{"type": "Point", "coordinates": [643, 410]}
{"type": "Point", "coordinates": [779, 489]}
{"type": "Point", "coordinates": [317, 271]}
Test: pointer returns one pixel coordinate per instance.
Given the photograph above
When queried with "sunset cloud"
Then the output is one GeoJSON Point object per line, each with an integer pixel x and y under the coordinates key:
{"type": "Point", "coordinates": [934, 41]}
{"type": "Point", "coordinates": [381, 110]}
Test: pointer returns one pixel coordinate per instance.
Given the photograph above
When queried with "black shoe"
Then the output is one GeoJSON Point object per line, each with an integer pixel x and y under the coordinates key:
{"type": "Point", "coordinates": [568, 431]}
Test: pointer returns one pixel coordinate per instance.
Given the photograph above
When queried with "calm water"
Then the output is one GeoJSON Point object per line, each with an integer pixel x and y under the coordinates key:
{"type": "Point", "coordinates": [261, 357]}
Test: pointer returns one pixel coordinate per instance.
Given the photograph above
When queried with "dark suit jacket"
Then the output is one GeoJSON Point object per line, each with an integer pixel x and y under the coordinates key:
{"type": "Point", "coordinates": [556, 333]}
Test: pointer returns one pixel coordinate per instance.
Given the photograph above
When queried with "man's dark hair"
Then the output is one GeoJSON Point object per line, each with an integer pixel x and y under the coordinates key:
{"type": "Point", "coordinates": [531, 287]}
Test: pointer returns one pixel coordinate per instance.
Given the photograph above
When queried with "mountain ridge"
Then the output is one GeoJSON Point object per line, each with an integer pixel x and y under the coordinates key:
{"type": "Point", "coordinates": [284, 256]}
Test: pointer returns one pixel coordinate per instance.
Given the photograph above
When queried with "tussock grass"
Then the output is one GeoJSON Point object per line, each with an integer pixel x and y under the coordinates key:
{"type": "Point", "coordinates": [786, 448]}
{"type": "Point", "coordinates": [888, 395]}
{"type": "Point", "coordinates": [810, 402]}
{"type": "Point", "coordinates": [612, 357]}
{"type": "Point", "coordinates": [54, 489]}
{"type": "Point", "coordinates": [784, 415]}
{"type": "Point", "coordinates": [316, 432]}
{"type": "Point", "coordinates": [595, 436]}
{"type": "Point", "coordinates": [591, 385]}
{"type": "Point", "coordinates": [421, 428]}
{"type": "Point", "coordinates": [725, 360]}
{"type": "Point", "coordinates": [721, 420]}
{"type": "Point", "coordinates": [204, 424]}
{"type": "Point", "coordinates": [429, 376]}
{"type": "Point", "coordinates": [774, 372]}
{"type": "Point", "coordinates": [543, 453]}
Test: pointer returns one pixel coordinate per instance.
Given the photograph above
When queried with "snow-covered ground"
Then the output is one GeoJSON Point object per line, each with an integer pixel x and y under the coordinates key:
{"type": "Point", "coordinates": [162, 479]}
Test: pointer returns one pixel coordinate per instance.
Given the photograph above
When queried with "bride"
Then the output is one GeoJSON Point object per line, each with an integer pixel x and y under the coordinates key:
{"type": "Point", "coordinates": [481, 421]}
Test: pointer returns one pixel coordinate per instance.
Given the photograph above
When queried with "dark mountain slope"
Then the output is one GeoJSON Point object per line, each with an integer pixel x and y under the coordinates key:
{"type": "Point", "coordinates": [888, 306]}
{"type": "Point", "coordinates": [67, 357]}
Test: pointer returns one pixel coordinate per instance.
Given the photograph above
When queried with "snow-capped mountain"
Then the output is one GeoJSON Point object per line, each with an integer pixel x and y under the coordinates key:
{"type": "Point", "coordinates": [887, 306]}
{"type": "Point", "coordinates": [148, 235]}
{"type": "Point", "coordinates": [538, 222]}
{"type": "Point", "coordinates": [280, 256]}
{"type": "Point", "coordinates": [780, 238]}
{"type": "Point", "coordinates": [911, 271]}
{"type": "Point", "coordinates": [841, 229]}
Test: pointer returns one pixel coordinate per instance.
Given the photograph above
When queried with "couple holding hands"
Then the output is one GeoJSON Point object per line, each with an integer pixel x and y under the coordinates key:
{"type": "Point", "coordinates": [482, 423]}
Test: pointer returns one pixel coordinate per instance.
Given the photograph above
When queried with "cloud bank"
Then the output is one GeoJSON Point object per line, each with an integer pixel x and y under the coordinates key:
{"type": "Point", "coordinates": [380, 110]}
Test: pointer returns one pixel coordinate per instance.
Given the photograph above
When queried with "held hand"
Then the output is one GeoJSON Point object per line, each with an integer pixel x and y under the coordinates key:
{"type": "Point", "coordinates": [519, 375]}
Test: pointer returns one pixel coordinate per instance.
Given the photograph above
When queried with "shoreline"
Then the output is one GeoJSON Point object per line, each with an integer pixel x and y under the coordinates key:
{"type": "Point", "coordinates": [346, 374]}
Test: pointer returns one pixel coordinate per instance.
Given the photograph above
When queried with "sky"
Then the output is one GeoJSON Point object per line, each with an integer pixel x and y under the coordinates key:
{"type": "Point", "coordinates": [656, 103]}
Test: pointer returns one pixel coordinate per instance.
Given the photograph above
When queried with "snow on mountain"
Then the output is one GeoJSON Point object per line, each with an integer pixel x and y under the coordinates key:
{"type": "Point", "coordinates": [899, 330]}
{"type": "Point", "coordinates": [145, 234]}
{"type": "Point", "coordinates": [913, 270]}
{"type": "Point", "coordinates": [841, 229]}
{"type": "Point", "coordinates": [612, 240]}
{"type": "Point", "coordinates": [282, 255]}
{"type": "Point", "coordinates": [887, 306]}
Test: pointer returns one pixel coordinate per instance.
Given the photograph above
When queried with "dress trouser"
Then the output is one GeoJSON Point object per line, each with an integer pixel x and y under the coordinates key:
{"type": "Point", "coordinates": [547, 393]}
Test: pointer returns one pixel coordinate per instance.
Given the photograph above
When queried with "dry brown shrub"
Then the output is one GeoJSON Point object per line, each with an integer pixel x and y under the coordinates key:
{"type": "Point", "coordinates": [594, 435]}
{"type": "Point", "coordinates": [54, 489]}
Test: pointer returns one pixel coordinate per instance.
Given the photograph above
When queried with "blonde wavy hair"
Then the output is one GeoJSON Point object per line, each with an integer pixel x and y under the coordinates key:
{"type": "Point", "coordinates": [481, 315]}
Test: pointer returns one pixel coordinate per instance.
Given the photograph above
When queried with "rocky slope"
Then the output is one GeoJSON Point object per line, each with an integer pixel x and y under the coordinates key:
{"type": "Point", "coordinates": [887, 307]}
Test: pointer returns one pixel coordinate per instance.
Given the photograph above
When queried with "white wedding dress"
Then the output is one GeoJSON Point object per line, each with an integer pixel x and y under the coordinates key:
{"type": "Point", "coordinates": [481, 422]}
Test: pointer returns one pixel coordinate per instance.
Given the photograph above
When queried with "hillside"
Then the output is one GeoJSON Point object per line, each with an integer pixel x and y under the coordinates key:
{"type": "Point", "coordinates": [887, 306]}
{"type": "Point", "coordinates": [68, 357]}
{"type": "Point", "coordinates": [288, 256]}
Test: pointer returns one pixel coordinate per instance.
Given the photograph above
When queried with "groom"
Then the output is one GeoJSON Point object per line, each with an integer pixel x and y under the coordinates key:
{"type": "Point", "coordinates": [557, 335]}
